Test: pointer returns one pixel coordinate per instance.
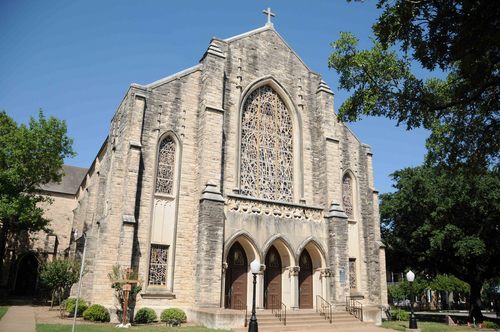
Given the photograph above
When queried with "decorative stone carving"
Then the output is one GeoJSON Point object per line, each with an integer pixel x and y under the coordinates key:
{"type": "Point", "coordinates": [294, 270]}
{"type": "Point", "coordinates": [325, 273]}
{"type": "Point", "coordinates": [261, 207]}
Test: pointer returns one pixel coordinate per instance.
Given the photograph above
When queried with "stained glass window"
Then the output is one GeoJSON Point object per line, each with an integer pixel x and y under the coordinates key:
{"type": "Point", "coordinates": [266, 147]}
{"type": "Point", "coordinates": [352, 273]}
{"type": "Point", "coordinates": [347, 195]}
{"type": "Point", "coordinates": [158, 265]}
{"type": "Point", "coordinates": [166, 166]}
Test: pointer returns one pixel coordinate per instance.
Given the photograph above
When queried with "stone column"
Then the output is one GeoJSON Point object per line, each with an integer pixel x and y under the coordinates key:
{"type": "Point", "coordinates": [210, 247]}
{"type": "Point", "coordinates": [325, 277]}
{"type": "Point", "coordinates": [338, 257]}
{"type": "Point", "coordinates": [294, 286]}
{"type": "Point", "coordinates": [259, 290]}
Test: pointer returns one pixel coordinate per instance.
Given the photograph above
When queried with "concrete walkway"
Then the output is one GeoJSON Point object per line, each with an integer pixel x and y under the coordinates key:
{"type": "Point", "coordinates": [18, 319]}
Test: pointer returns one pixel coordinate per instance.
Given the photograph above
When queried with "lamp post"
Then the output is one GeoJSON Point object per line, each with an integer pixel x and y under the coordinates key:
{"type": "Point", "coordinates": [410, 276]}
{"type": "Point", "coordinates": [255, 268]}
{"type": "Point", "coordinates": [80, 279]}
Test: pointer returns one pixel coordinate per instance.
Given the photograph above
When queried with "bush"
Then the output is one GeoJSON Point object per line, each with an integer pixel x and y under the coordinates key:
{"type": "Point", "coordinates": [489, 325]}
{"type": "Point", "coordinates": [145, 316]}
{"type": "Point", "coordinates": [400, 314]}
{"type": "Point", "coordinates": [96, 313]}
{"type": "Point", "coordinates": [70, 306]}
{"type": "Point", "coordinates": [173, 314]}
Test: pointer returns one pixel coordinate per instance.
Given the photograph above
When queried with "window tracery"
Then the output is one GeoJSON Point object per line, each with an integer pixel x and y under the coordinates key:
{"type": "Point", "coordinates": [158, 263]}
{"type": "Point", "coordinates": [347, 195]}
{"type": "Point", "coordinates": [266, 147]}
{"type": "Point", "coordinates": [166, 167]}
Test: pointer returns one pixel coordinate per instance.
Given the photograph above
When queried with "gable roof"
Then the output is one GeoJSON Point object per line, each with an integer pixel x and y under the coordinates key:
{"type": "Point", "coordinates": [70, 182]}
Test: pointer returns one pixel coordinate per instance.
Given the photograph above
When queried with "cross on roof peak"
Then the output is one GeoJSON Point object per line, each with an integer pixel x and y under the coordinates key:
{"type": "Point", "coordinates": [269, 15]}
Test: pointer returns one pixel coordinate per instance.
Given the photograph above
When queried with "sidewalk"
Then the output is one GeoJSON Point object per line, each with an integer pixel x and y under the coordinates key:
{"type": "Point", "coordinates": [18, 319]}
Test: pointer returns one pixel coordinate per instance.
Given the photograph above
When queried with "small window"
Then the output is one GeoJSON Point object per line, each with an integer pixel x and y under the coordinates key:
{"type": "Point", "coordinates": [166, 167]}
{"type": "Point", "coordinates": [158, 265]}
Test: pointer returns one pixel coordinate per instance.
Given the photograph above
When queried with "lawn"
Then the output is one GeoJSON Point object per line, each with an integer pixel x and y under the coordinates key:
{"type": "Point", "coordinates": [112, 328]}
{"type": "Point", "coordinates": [428, 327]}
{"type": "Point", "coordinates": [3, 311]}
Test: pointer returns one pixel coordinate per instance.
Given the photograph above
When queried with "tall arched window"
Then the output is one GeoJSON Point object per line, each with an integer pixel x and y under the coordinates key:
{"type": "Point", "coordinates": [347, 196]}
{"type": "Point", "coordinates": [166, 166]}
{"type": "Point", "coordinates": [163, 224]}
{"type": "Point", "coordinates": [266, 146]}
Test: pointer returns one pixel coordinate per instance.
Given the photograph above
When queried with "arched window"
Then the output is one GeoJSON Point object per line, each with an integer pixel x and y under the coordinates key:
{"type": "Point", "coordinates": [166, 167]}
{"type": "Point", "coordinates": [163, 220]}
{"type": "Point", "coordinates": [347, 195]}
{"type": "Point", "coordinates": [266, 146]}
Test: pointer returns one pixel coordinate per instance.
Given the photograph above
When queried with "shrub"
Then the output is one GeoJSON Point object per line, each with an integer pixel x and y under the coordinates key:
{"type": "Point", "coordinates": [145, 316]}
{"type": "Point", "coordinates": [173, 314]}
{"type": "Point", "coordinates": [96, 313]}
{"type": "Point", "coordinates": [70, 306]}
{"type": "Point", "coordinates": [400, 314]}
{"type": "Point", "coordinates": [489, 325]}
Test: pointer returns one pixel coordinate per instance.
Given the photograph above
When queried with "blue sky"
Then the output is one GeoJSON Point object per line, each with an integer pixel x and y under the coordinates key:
{"type": "Point", "coordinates": [76, 59]}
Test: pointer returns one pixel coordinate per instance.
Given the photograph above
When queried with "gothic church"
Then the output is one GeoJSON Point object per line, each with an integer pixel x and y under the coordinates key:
{"type": "Point", "coordinates": [237, 158]}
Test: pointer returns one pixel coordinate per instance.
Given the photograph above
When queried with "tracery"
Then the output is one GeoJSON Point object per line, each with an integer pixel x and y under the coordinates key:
{"type": "Point", "coordinates": [347, 195]}
{"type": "Point", "coordinates": [266, 146]}
{"type": "Point", "coordinates": [166, 166]}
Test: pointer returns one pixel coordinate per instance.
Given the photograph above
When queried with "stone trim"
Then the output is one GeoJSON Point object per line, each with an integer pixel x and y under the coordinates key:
{"type": "Point", "coordinates": [260, 206]}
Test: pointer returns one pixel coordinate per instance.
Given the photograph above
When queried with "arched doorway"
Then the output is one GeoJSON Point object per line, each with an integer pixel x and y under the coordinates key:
{"type": "Point", "coordinates": [272, 278]}
{"type": "Point", "coordinates": [27, 275]}
{"type": "Point", "coordinates": [236, 278]}
{"type": "Point", "coordinates": [305, 281]}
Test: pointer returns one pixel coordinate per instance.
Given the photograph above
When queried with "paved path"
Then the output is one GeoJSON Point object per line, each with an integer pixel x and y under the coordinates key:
{"type": "Point", "coordinates": [18, 319]}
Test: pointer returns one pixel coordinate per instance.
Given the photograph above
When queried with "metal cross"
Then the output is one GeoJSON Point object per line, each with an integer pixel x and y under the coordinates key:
{"type": "Point", "coordinates": [269, 15]}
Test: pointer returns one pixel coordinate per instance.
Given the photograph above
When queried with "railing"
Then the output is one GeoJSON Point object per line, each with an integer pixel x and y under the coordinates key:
{"type": "Point", "coordinates": [241, 306]}
{"type": "Point", "coordinates": [278, 309]}
{"type": "Point", "coordinates": [324, 308]}
{"type": "Point", "coordinates": [238, 305]}
{"type": "Point", "coordinates": [354, 307]}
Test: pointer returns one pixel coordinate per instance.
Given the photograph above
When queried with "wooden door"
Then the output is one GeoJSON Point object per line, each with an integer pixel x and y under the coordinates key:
{"type": "Point", "coordinates": [236, 278]}
{"type": "Point", "coordinates": [272, 278]}
{"type": "Point", "coordinates": [305, 281]}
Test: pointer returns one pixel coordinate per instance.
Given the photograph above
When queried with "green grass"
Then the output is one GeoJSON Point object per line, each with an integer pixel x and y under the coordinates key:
{"type": "Point", "coordinates": [3, 311]}
{"type": "Point", "coordinates": [112, 328]}
{"type": "Point", "coordinates": [427, 327]}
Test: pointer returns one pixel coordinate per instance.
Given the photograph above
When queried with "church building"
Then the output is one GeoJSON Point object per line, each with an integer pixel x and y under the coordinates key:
{"type": "Point", "coordinates": [238, 158]}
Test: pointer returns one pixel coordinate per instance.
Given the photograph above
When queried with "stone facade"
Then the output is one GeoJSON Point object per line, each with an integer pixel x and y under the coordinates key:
{"type": "Point", "coordinates": [208, 211]}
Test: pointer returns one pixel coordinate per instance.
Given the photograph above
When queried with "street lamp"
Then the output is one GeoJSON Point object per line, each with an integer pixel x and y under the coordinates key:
{"type": "Point", "coordinates": [255, 268]}
{"type": "Point", "coordinates": [410, 276]}
{"type": "Point", "coordinates": [80, 279]}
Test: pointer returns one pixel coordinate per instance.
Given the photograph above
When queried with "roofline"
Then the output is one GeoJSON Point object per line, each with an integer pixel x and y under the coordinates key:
{"type": "Point", "coordinates": [171, 77]}
{"type": "Point", "coordinates": [264, 28]}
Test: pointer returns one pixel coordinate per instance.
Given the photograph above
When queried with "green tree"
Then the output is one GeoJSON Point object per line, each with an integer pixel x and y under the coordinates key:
{"type": "Point", "coordinates": [445, 222]}
{"type": "Point", "coordinates": [458, 38]}
{"type": "Point", "coordinates": [59, 275]}
{"type": "Point", "coordinates": [30, 156]}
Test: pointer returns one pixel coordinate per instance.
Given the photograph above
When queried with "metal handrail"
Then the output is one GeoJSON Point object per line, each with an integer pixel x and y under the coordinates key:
{"type": "Point", "coordinates": [324, 308]}
{"type": "Point", "coordinates": [354, 307]}
{"type": "Point", "coordinates": [278, 309]}
{"type": "Point", "coordinates": [237, 306]}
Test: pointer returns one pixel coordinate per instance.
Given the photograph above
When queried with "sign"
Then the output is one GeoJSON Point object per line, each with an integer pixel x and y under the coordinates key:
{"type": "Point", "coordinates": [127, 287]}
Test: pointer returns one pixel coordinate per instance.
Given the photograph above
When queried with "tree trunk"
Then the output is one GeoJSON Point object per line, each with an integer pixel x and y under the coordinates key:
{"type": "Point", "coordinates": [3, 241]}
{"type": "Point", "coordinates": [475, 315]}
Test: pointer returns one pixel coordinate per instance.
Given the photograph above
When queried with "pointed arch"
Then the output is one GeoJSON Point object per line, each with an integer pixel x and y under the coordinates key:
{"type": "Point", "coordinates": [315, 249]}
{"type": "Point", "coordinates": [161, 253]}
{"type": "Point", "coordinates": [283, 246]}
{"type": "Point", "coordinates": [290, 185]}
{"type": "Point", "coordinates": [248, 243]}
{"type": "Point", "coordinates": [350, 194]}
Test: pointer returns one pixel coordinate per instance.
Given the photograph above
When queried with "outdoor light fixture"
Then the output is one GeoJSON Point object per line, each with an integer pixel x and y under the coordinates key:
{"type": "Point", "coordinates": [255, 268]}
{"type": "Point", "coordinates": [410, 276]}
